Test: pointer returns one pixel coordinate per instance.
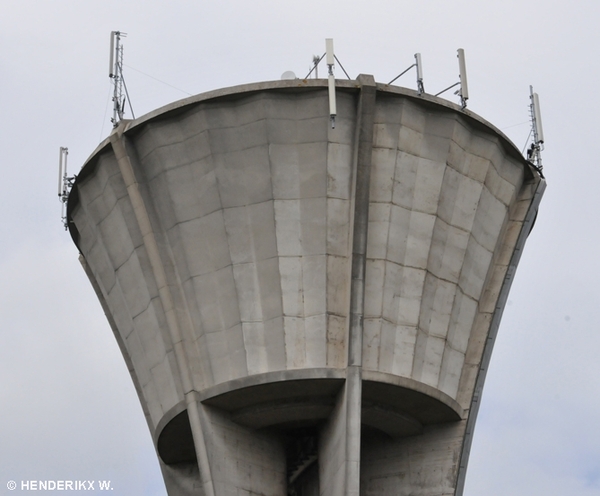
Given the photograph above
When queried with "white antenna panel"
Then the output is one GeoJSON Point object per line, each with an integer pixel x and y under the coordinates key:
{"type": "Point", "coordinates": [288, 75]}
{"type": "Point", "coordinates": [419, 67]}
{"type": "Point", "coordinates": [538, 118]}
{"type": "Point", "coordinates": [332, 104]}
{"type": "Point", "coordinates": [330, 60]}
{"type": "Point", "coordinates": [60, 171]}
{"type": "Point", "coordinates": [111, 64]}
{"type": "Point", "coordinates": [462, 67]}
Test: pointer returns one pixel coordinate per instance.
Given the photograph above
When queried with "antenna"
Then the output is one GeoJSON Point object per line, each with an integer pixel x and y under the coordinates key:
{"type": "Point", "coordinates": [316, 60]}
{"type": "Point", "coordinates": [534, 156]}
{"type": "Point", "coordinates": [462, 68]}
{"type": "Point", "coordinates": [538, 131]}
{"type": "Point", "coordinates": [115, 72]}
{"type": "Point", "coordinates": [419, 66]}
{"type": "Point", "coordinates": [111, 63]}
{"type": "Point", "coordinates": [330, 60]}
{"type": "Point", "coordinates": [463, 91]}
{"type": "Point", "coordinates": [420, 86]}
{"type": "Point", "coordinates": [63, 152]}
{"type": "Point", "coordinates": [65, 183]}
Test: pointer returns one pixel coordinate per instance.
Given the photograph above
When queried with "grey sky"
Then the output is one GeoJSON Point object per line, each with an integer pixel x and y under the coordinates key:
{"type": "Point", "coordinates": [68, 408]}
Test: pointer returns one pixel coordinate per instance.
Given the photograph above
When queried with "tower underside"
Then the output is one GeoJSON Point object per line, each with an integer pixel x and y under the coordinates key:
{"type": "Point", "coordinates": [303, 309]}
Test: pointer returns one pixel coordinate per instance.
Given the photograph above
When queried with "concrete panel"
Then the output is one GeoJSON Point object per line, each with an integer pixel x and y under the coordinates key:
{"type": "Point", "coordinates": [436, 306]}
{"type": "Point", "coordinates": [136, 353]}
{"type": "Point", "coordinates": [251, 186]}
{"type": "Point", "coordinates": [429, 351]}
{"type": "Point", "coordinates": [418, 182]}
{"type": "Point", "coordinates": [193, 192]}
{"type": "Point", "coordinates": [103, 271]}
{"type": "Point", "coordinates": [314, 280]}
{"type": "Point", "coordinates": [275, 344]}
{"type": "Point", "coordinates": [337, 285]}
{"type": "Point", "coordinates": [337, 351]}
{"type": "Point", "coordinates": [397, 350]}
{"type": "Point", "coordinates": [338, 227]}
{"type": "Point", "coordinates": [255, 346]}
{"type": "Point", "coordinates": [382, 178]}
{"type": "Point", "coordinates": [448, 250]}
{"type": "Point", "coordinates": [288, 227]}
{"type": "Point", "coordinates": [459, 199]}
{"type": "Point", "coordinates": [257, 287]}
{"type": "Point", "coordinates": [205, 244]}
{"type": "Point", "coordinates": [227, 353]}
{"type": "Point", "coordinates": [295, 342]}
{"type": "Point", "coordinates": [290, 270]}
{"type": "Point", "coordinates": [371, 343]}
{"type": "Point", "coordinates": [339, 166]}
{"type": "Point", "coordinates": [116, 303]}
{"type": "Point", "coordinates": [402, 294]}
{"type": "Point", "coordinates": [475, 269]}
{"type": "Point", "coordinates": [489, 221]}
{"type": "Point", "coordinates": [128, 273]}
{"type": "Point", "coordinates": [316, 340]}
{"type": "Point", "coordinates": [461, 321]}
{"type": "Point", "coordinates": [299, 169]}
{"type": "Point", "coordinates": [379, 230]}
{"type": "Point", "coordinates": [374, 282]}
{"type": "Point", "coordinates": [451, 370]}
{"type": "Point", "coordinates": [150, 337]}
{"type": "Point", "coordinates": [217, 292]}
{"type": "Point", "coordinates": [168, 391]}
{"type": "Point", "coordinates": [251, 232]}
{"type": "Point", "coordinates": [238, 137]}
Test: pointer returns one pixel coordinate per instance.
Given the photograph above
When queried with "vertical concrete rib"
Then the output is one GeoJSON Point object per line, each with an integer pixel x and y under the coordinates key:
{"type": "Point", "coordinates": [493, 332]}
{"type": "Point", "coordinates": [363, 147]}
{"type": "Point", "coordinates": [166, 298]}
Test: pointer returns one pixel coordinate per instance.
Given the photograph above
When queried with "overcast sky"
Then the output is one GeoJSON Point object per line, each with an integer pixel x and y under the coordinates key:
{"type": "Point", "coordinates": [68, 409]}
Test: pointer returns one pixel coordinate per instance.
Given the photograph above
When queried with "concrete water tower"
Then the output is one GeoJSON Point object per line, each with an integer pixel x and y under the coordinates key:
{"type": "Point", "coordinates": [304, 309]}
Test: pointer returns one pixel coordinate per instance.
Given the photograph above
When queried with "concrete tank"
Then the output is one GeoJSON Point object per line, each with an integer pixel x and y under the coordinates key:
{"type": "Point", "coordinates": [306, 310]}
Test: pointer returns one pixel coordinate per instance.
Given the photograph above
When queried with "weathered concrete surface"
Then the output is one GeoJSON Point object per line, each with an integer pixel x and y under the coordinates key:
{"type": "Point", "coordinates": [284, 292]}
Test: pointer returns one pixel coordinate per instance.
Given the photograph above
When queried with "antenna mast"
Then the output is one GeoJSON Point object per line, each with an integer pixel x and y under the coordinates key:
{"type": "Point", "coordinates": [462, 70]}
{"type": "Point", "coordinates": [330, 60]}
{"type": "Point", "coordinates": [418, 64]}
{"type": "Point", "coordinates": [463, 91]}
{"type": "Point", "coordinates": [65, 183]}
{"type": "Point", "coordinates": [534, 155]}
{"type": "Point", "coordinates": [115, 72]}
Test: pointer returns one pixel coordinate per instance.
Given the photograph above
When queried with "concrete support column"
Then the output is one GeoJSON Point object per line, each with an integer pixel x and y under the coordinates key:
{"type": "Point", "coordinates": [343, 476]}
{"type": "Point", "coordinates": [158, 268]}
{"type": "Point", "coordinates": [363, 148]}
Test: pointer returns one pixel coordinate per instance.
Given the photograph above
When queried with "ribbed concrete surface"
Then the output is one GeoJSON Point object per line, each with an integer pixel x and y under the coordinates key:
{"type": "Point", "coordinates": [251, 199]}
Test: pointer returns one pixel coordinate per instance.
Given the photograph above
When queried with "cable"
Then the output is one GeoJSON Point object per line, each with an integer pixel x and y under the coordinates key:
{"type": "Point", "coordinates": [127, 93]}
{"type": "Point", "coordinates": [156, 79]}
{"type": "Point", "coordinates": [527, 141]}
{"type": "Point", "coordinates": [514, 125]}
{"type": "Point", "coordinates": [105, 112]}
{"type": "Point", "coordinates": [342, 67]}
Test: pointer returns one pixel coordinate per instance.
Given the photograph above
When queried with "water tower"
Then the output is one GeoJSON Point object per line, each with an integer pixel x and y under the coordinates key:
{"type": "Point", "coordinates": [306, 309]}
